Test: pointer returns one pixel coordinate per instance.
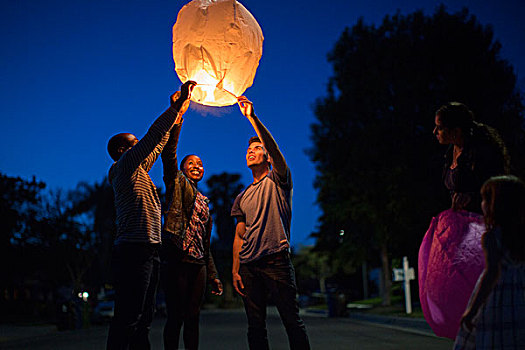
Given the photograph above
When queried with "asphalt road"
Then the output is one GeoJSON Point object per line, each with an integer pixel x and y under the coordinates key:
{"type": "Point", "coordinates": [226, 329]}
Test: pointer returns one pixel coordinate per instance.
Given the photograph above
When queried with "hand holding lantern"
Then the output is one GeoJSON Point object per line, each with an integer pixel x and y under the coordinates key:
{"type": "Point", "coordinates": [246, 107]}
{"type": "Point", "coordinates": [181, 99]}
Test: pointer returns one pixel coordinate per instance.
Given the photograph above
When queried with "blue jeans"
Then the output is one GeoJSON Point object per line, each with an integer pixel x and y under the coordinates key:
{"type": "Point", "coordinates": [272, 276]}
{"type": "Point", "coordinates": [136, 276]}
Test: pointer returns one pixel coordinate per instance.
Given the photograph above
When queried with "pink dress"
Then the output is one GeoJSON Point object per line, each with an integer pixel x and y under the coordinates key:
{"type": "Point", "coordinates": [450, 262]}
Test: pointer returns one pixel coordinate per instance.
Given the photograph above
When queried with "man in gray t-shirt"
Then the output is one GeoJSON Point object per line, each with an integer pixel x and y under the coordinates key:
{"type": "Point", "coordinates": [261, 260]}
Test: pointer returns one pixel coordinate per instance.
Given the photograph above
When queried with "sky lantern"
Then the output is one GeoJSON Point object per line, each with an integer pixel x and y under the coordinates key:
{"type": "Point", "coordinates": [218, 44]}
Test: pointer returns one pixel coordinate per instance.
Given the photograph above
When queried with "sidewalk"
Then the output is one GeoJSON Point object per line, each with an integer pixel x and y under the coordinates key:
{"type": "Point", "coordinates": [407, 324]}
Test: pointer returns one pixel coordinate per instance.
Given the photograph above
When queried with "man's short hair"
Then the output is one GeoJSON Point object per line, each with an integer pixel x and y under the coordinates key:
{"type": "Point", "coordinates": [114, 143]}
{"type": "Point", "coordinates": [254, 139]}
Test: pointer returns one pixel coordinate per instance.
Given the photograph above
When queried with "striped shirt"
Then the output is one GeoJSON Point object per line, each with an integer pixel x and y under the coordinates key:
{"type": "Point", "coordinates": [136, 200]}
{"type": "Point", "coordinates": [500, 322]}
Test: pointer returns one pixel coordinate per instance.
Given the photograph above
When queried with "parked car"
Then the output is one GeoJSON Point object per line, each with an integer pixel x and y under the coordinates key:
{"type": "Point", "coordinates": [104, 311]}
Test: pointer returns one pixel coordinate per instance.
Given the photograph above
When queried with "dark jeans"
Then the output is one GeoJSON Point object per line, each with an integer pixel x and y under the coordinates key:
{"type": "Point", "coordinates": [136, 276]}
{"type": "Point", "coordinates": [272, 276]}
{"type": "Point", "coordinates": [184, 285]}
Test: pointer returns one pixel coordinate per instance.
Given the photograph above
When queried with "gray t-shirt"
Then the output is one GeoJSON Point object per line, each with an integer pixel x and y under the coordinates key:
{"type": "Point", "coordinates": [266, 209]}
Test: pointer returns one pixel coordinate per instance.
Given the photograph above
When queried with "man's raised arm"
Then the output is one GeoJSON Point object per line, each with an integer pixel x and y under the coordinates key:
{"type": "Point", "coordinates": [276, 157]}
{"type": "Point", "coordinates": [180, 102]}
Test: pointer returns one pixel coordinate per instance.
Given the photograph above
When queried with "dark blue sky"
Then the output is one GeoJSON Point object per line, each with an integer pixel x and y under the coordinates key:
{"type": "Point", "coordinates": [73, 73]}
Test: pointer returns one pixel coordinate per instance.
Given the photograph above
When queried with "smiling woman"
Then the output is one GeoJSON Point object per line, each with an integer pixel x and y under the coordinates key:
{"type": "Point", "coordinates": [191, 166]}
{"type": "Point", "coordinates": [187, 262]}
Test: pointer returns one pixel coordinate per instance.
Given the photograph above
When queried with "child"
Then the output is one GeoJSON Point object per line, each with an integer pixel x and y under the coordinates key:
{"type": "Point", "coordinates": [495, 316]}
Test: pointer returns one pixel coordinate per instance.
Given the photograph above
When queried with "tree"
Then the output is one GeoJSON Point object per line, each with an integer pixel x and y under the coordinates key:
{"type": "Point", "coordinates": [67, 240]}
{"type": "Point", "coordinates": [311, 265]}
{"type": "Point", "coordinates": [378, 164]}
{"type": "Point", "coordinates": [19, 204]}
{"type": "Point", "coordinates": [52, 239]}
{"type": "Point", "coordinates": [96, 204]}
{"type": "Point", "coordinates": [222, 190]}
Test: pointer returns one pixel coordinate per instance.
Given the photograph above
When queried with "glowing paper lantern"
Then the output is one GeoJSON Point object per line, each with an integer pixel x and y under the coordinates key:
{"type": "Point", "coordinates": [450, 261]}
{"type": "Point", "coordinates": [218, 44]}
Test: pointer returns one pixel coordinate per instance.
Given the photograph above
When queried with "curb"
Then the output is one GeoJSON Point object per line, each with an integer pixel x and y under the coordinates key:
{"type": "Point", "coordinates": [412, 325]}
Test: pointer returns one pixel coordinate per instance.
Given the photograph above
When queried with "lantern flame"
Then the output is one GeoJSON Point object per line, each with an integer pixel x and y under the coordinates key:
{"type": "Point", "coordinates": [206, 84]}
{"type": "Point", "coordinates": [207, 88]}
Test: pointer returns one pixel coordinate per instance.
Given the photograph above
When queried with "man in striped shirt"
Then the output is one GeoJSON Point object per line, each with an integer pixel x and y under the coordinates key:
{"type": "Point", "coordinates": [135, 260]}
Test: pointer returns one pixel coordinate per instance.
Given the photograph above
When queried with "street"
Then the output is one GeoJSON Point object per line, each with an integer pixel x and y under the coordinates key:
{"type": "Point", "coordinates": [226, 329]}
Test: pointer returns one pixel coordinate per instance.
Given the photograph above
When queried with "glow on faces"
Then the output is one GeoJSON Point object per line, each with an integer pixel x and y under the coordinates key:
{"type": "Point", "coordinates": [193, 168]}
{"type": "Point", "coordinates": [256, 154]}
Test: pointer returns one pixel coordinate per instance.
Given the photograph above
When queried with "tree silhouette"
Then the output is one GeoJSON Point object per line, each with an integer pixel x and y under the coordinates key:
{"type": "Point", "coordinates": [19, 205]}
{"type": "Point", "coordinates": [95, 203]}
{"type": "Point", "coordinates": [222, 190]}
{"type": "Point", "coordinates": [378, 164]}
{"type": "Point", "coordinates": [67, 240]}
{"type": "Point", "coordinates": [53, 239]}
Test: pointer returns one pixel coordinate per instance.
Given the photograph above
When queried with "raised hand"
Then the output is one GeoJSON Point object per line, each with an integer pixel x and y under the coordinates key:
{"type": "Point", "coordinates": [181, 99]}
{"type": "Point", "coordinates": [246, 106]}
{"type": "Point", "coordinates": [186, 89]}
